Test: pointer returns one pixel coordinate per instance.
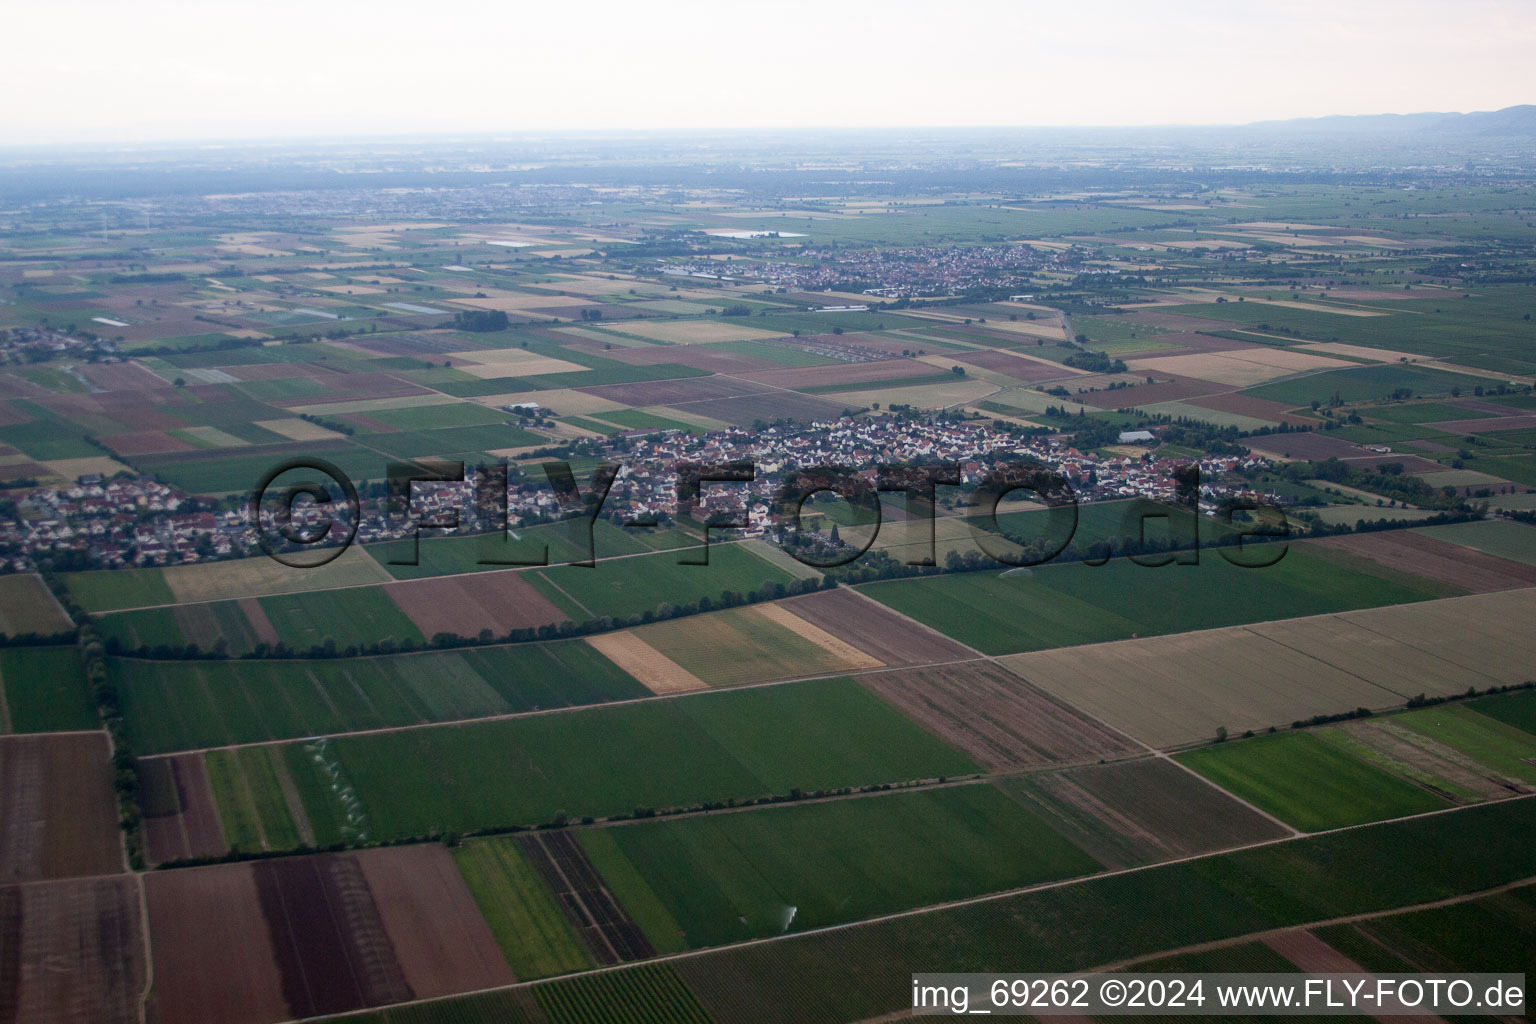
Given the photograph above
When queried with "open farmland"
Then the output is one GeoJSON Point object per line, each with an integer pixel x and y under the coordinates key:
{"type": "Point", "coordinates": [43, 689]}
{"type": "Point", "coordinates": [532, 929]}
{"type": "Point", "coordinates": [177, 705]}
{"type": "Point", "coordinates": [1517, 709]}
{"type": "Point", "coordinates": [1140, 811]}
{"type": "Point", "coordinates": [1308, 783]}
{"type": "Point", "coordinates": [469, 604]}
{"type": "Point", "coordinates": [601, 761]}
{"type": "Point", "coordinates": [181, 821]}
{"type": "Point", "coordinates": [631, 586]}
{"type": "Point", "coordinates": [1179, 689]}
{"type": "Point", "coordinates": [267, 941]}
{"type": "Point", "coordinates": [1076, 603]}
{"type": "Point", "coordinates": [28, 606]}
{"type": "Point", "coordinates": [728, 877]}
{"type": "Point", "coordinates": [1411, 551]}
{"type": "Point", "coordinates": [58, 818]}
{"type": "Point", "coordinates": [995, 716]}
{"type": "Point", "coordinates": [874, 629]}
{"type": "Point", "coordinates": [1498, 538]}
{"type": "Point", "coordinates": [763, 645]}
{"type": "Point", "coordinates": [73, 952]}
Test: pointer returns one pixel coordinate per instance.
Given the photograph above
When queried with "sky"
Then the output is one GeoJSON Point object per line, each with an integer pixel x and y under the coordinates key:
{"type": "Point", "coordinates": [108, 71]}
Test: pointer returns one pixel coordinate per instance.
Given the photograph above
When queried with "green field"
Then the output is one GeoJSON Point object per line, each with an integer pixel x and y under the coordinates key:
{"type": "Point", "coordinates": [566, 542]}
{"type": "Point", "coordinates": [1507, 750]}
{"type": "Point", "coordinates": [353, 615]}
{"type": "Point", "coordinates": [737, 744]}
{"type": "Point", "coordinates": [529, 925]}
{"type": "Point", "coordinates": [1517, 708]}
{"type": "Point", "coordinates": [1075, 603]}
{"type": "Point", "coordinates": [178, 705]}
{"type": "Point", "coordinates": [45, 690]}
{"type": "Point", "coordinates": [1501, 537]}
{"type": "Point", "coordinates": [727, 877]}
{"type": "Point", "coordinates": [1367, 383]}
{"type": "Point", "coordinates": [1308, 782]}
{"type": "Point", "coordinates": [105, 590]}
{"type": "Point", "coordinates": [631, 586]}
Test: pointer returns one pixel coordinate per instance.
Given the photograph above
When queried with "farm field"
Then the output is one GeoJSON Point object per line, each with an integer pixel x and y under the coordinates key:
{"type": "Point", "coordinates": [1428, 556]}
{"type": "Point", "coordinates": [603, 761]}
{"type": "Point", "coordinates": [1140, 811]}
{"type": "Point", "coordinates": [995, 716]}
{"type": "Point", "coordinates": [1308, 783]}
{"type": "Point", "coordinates": [766, 641]}
{"type": "Point", "coordinates": [529, 925]}
{"type": "Point", "coordinates": [58, 815]}
{"type": "Point", "coordinates": [861, 972]}
{"type": "Point", "coordinates": [1497, 537]}
{"type": "Point", "coordinates": [177, 705]}
{"type": "Point", "coordinates": [1517, 709]}
{"type": "Point", "coordinates": [27, 606]}
{"type": "Point", "coordinates": [43, 689]}
{"type": "Point", "coordinates": [1180, 689]}
{"type": "Point", "coordinates": [74, 951]}
{"type": "Point", "coordinates": [632, 586]}
{"type": "Point", "coordinates": [727, 877]}
{"type": "Point", "coordinates": [272, 940]}
{"type": "Point", "coordinates": [1075, 603]}
{"type": "Point", "coordinates": [872, 628]}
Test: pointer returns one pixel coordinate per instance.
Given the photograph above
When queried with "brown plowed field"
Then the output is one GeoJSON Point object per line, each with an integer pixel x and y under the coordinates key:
{"type": "Point", "coordinates": [875, 629]}
{"type": "Point", "coordinates": [1307, 445]}
{"type": "Point", "coordinates": [146, 442]}
{"type": "Point", "coordinates": [212, 953]}
{"type": "Point", "coordinates": [1246, 405]}
{"type": "Point", "coordinates": [58, 812]}
{"type": "Point", "coordinates": [498, 601]}
{"type": "Point", "coordinates": [180, 820]}
{"type": "Point", "coordinates": [302, 936]}
{"type": "Point", "coordinates": [845, 373]}
{"type": "Point", "coordinates": [441, 940]}
{"type": "Point", "coordinates": [1135, 812]}
{"type": "Point", "coordinates": [1435, 559]}
{"type": "Point", "coordinates": [995, 716]}
{"type": "Point", "coordinates": [674, 392]}
{"type": "Point", "coordinates": [71, 952]}
{"type": "Point", "coordinates": [767, 407]}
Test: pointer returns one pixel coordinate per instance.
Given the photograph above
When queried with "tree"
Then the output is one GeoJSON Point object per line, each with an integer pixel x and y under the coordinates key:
{"type": "Point", "coordinates": [1221, 734]}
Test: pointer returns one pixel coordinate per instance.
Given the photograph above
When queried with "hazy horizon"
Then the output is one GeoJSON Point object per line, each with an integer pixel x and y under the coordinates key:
{"type": "Point", "coordinates": [294, 72]}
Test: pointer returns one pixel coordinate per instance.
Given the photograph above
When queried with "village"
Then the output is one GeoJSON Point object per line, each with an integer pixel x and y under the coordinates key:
{"type": "Point", "coordinates": [137, 521]}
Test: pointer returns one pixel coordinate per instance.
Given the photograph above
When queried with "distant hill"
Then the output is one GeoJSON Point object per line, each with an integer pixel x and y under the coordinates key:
{"type": "Point", "coordinates": [1511, 121]}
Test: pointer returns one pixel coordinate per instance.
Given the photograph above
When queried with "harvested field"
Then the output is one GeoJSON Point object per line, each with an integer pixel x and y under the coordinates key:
{"type": "Point", "coordinates": [1178, 689]}
{"type": "Point", "coordinates": [770, 406]}
{"type": "Point", "coordinates": [1308, 445]}
{"type": "Point", "coordinates": [598, 918]}
{"type": "Point", "coordinates": [58, 811]}
{"type": "Point", "coordinates": [212, 951]}
{"type": "Point", "coordinates": [995, 717]}
{"type": "Point", "coordinates": [850, 656]}
{"type": "Point", "coordinates": [654, 670]}
{"type": "Point", "coordinates": [298, 430]}
{"type": "Point", "coordinates": [262, 577]}
{"type": "Point", "coordinates": [441, 941]}
{"type": "Point", "coordinates": [1136, 812]}
{"type": "Point", "coordinates": [839, 373]}
{"type": "Point", "coordinates": [1246, 405]}
{"type": "Point", "coordinates": [303, 936]}
{"type": "Point", "coordinates": [27, 606]}
{"type": "Point", "coordinates": [875, 629]}
{"type": "Point", "coordinates": [1411, 552]}
{"type": "Point", "coordinates": [1238, 367]}
{"type": "Point", "coordinates": [71, 952]}
{"type": "Point", "coordinates": [180, 819]}
{"type": "Point", "coordinates": [748, 645]}
{"type": "Point", "coordinates": [1010, 365]}
{"type": "Point", "coordinates": [697, 332]}
{"type": "Point", "coordinates": [674, 392]}
{"type": "Point", "coordinates": [467, 604]}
